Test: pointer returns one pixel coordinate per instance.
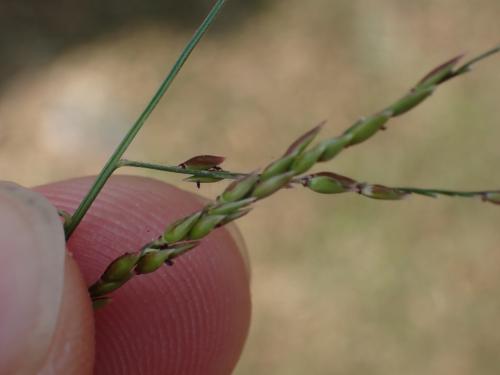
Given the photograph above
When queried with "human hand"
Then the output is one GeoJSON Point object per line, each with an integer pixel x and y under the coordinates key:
{"type": "Point", "coordinates": [191, 318]}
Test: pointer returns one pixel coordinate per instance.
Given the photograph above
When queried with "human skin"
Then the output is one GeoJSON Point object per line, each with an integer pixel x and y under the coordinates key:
{"type": "Point", "coordinates": [190, 318]}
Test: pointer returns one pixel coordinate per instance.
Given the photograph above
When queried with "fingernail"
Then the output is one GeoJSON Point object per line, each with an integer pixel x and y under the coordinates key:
{"type": "Point", "coordinates": [32, 250]}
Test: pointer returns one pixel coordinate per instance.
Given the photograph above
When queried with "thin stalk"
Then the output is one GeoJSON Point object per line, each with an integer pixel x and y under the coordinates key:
{"type": "Point", "coordinates": [112, 163]}
{"type": "Point", "coordinates": [176, 169]}
{"type": "Point", "coordinates": [227, 175]}
{"type": "Point", "coordinates": [450, 193]}
{"type": "Point", "coordinates": [468, 65]}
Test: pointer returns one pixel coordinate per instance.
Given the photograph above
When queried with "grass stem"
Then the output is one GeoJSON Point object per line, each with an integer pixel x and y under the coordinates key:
{"type": "Point", "coordinates": [112, 164]}
{"type": "Point", "coordinates": [177, 169]}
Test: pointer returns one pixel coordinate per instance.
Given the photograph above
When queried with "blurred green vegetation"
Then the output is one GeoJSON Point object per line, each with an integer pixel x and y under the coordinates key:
{"type": "Point", "coordinates": [32, 32]}
{"type": "Point", "coordinates": [341, 285]}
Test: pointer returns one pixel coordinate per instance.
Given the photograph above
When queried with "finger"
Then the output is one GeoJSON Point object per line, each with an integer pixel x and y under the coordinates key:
{"type": "Point", "coordinates": [191, 318]}
{"type": "Point", "coordinates": [33, 286]}
{"type": "Point", "coordinates": [72, 347]}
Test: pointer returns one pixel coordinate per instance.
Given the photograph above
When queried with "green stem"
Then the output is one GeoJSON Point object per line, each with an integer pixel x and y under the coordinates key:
{"type": "Point", "coordinates": [112, 163]}
{"type": "Point", "coordinates": [176, 169]}
{"type": "Point", "coordinates": [450, 193]}
{"type": "Point", "coordinates": [227, 175]}
{"type": "Point", "coordinates": [468, 65]}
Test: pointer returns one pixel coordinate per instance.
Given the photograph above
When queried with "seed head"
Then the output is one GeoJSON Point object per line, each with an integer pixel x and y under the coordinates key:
{"type": "Point", "coordinates": [381, 192]}
{"type": "Point", "coordinates": [329, 183]}
{"type": "Point", "coordinates": [98, 303]}
{"type": "Point", "coordinates": [307, 159]}
{"type": "Point", "coordinates": [203, 162]}
{"type": "Point", "coordinates": [204, 226]}
{"type": "Point", "coordinates": [151, 261]}
{"type": "Point", "coordinates": [240, 188]}
{"type": "Point", "coordinates": [230, 207]}
{"type": "Point", "coordinates": [120, 268]}
{"type": "Point", "coordinates": [234, 216]}
{"type": "Point", "coordinates": [180, 229]}
{"type": "Point", "coordinates": [411, 100]}
{"type": "Point", "coordinates": [367, 127]}
{"type": "Point", "coordinates": [101, 287]}
{"type": "Point", "coordinates": [303, 141]}
{"type": "Point", "coordinates": [154, 259]}
{"type": "Point", "coordinates": [277, 167]}
{"type": "Point", "coordinates": [440, 73]}
{"type": "Point", "coordinates": [271, 185]}
{"type": "Point", "coordinates": [181, 248]}
{"type": "Point", "coordinates": [334, 145]}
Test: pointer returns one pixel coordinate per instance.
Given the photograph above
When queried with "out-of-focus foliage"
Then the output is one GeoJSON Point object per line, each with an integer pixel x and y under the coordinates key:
{"type": "Point", "coordinates": [33, 31]}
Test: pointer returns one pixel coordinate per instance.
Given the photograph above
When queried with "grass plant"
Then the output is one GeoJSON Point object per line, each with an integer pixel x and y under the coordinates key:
{"type": "Point", "coordinates": [246, 189]}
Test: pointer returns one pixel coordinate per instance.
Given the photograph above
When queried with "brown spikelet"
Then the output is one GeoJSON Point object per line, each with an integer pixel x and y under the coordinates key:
{"type": "Point", "coordinates": [304, 140]}
{"type": "Point", "coordinates": [203, 162]}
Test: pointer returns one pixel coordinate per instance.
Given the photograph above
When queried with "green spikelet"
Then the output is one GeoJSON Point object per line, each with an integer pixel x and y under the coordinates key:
{"type": "Point", "coordinates": [439, 74]}
{"type": "Point", "coordinates": [277, 167]}
{"type": "Point", "coordinates": [204, 226]}
{"type": "Point", "coordinates": [230, 207]}
{"type": "Point", "coordinates": [329, 183]}
{"type": "Point", "coordinates": [120, 268]}
{"type": "Point", "coordinates": [367, 127]}
{"type": "Point", "coordinates": [240, 188]}
{"type": "Point", "coordinates": [101, 287]}
{"type": "Point", "coordinates": [99, 303]}
{"type": "Point", "coordinates": [151, 261]}
{"type": "Point", "coordinates": [334, 145]}
{"type": "Point", "coordinates": [180, 229]}
{"type": "Point", "coordinates": [273, 184]}
{"type": "Point", "coordinates": [307, 159]}
{"type": "Point", "coordinates": [234, 216]}
{"type": "Point", "coordinates": [411, 100]}
{"type": "Point", "coordinates": [303, 141]}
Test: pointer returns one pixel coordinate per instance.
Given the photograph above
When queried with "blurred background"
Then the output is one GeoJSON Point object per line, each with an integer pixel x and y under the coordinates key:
{"type": "Point", "coordinates": [341, 284]}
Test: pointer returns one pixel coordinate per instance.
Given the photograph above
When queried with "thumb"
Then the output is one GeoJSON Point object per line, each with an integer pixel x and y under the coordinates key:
{"type": "Point", "coordinates": [189, 319]}
{"type": "Point", "coordinates": [45, 324]}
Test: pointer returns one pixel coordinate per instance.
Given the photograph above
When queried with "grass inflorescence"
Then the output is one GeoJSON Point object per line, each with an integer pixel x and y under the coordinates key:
{"type": "Point", "coordinates": [247, 189]}
{"type": "Point", "coordinates": [288, 170]}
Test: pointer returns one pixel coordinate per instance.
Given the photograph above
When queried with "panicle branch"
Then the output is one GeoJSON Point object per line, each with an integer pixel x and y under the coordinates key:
{"type": "Point", "coordinates": [246, 189]}
{"type": "Point", "coordinates": [332, 183]}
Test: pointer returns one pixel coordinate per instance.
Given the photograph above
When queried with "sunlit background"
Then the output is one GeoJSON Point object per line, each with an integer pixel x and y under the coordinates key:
{"type": "Point", "coordinates": [341, 284]}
